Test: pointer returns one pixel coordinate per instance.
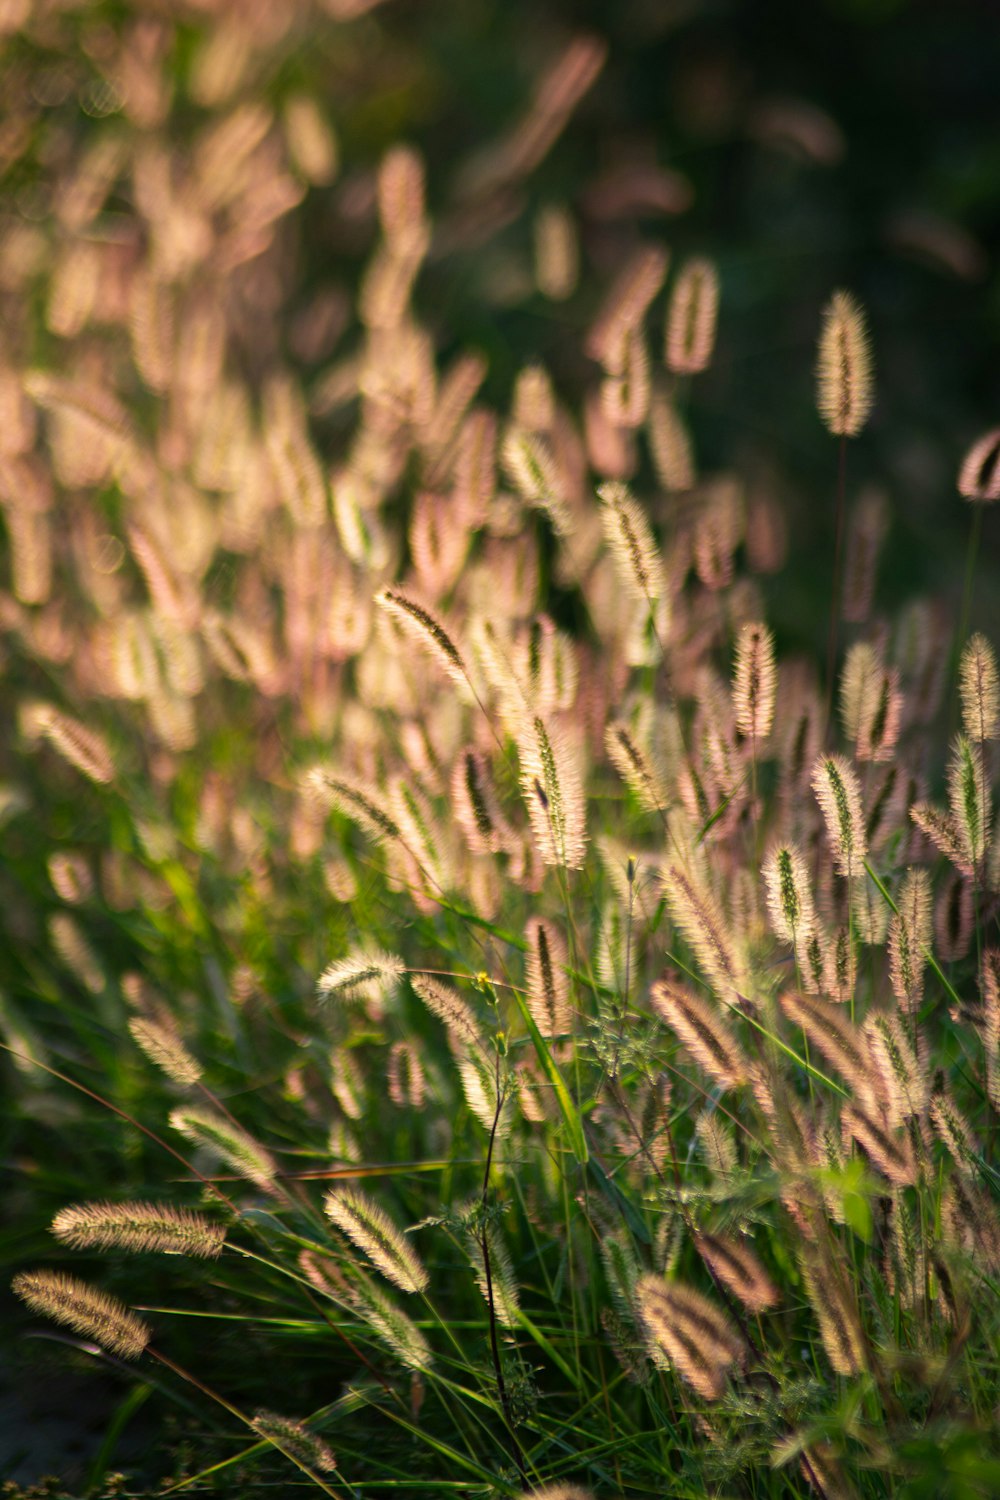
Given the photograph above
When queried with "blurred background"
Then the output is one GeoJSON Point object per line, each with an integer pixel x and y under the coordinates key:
{"type": "Point", "coordinates": [849, 143]}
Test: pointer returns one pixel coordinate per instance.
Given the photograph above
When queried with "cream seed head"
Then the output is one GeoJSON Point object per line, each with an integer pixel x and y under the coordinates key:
{"type": "Point", "coordinates": [845, 373]}
{"type": "Point", "coordinates": [789, 897]}
{"type": "Point", "coordinates": [755, 682]}
{"type": "Point", "coordinates": [979, 476]}
{"type": "Point", "coordinates": [692, 317]}
{"type": "Point", "coordinates": [705, 1034]}
{"type": "Point", "coordinates": [839, 796]}
{"type": "Point", "coordinates": [369, 1227]}
{"type": "Point", "coordinates": [90, 1312]}
{"type": "Point", "coordinates": [980, 690]}
{"type": "Point", "coordinates": [136, 1227]}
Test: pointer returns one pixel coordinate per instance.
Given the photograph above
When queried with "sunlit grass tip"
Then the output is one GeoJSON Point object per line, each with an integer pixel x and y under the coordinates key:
{"type": "Point", "coordinates": [160, 1041]}
{"type": "Point", "coordinates": [136, 1227]}
{"type": "Point", "coordinates": [839, 795]}
{"type": "Point", "coordinates": [697, 1339]}
{"type": "Point", "coordinates": [83, 1308]}
{"type": "Point", "coordinates": [789, 895]}
{"type": "Point", "coordinates": [692, 317]}
{"type": "Point", "coordinates": [755, 682]}
{"type": "Point", "coordinates": [369, 1227]}
{"type": "Point", "coordinates": [294, 1438]}
{"type": "Point", "coordinates": [845, 373]}
{"type": "Point", "coordinates": [229, 1142]}
{"type": "Point", "coordinates": [702, 1030]}
{"type": "Point", "coordinates": [630, 538]}
{"type": "Point", "coordinates": [548, 987]}
{"type": "Point", "coordinates": [979, 687]}
{"type": "Point", "coordinates": [360, 974]}
{"type": "Point", "coordinates": [423, 626]}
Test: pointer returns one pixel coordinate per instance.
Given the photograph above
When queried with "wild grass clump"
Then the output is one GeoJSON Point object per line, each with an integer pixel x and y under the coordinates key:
{"type": "Point", "coordinates": [447, 919]}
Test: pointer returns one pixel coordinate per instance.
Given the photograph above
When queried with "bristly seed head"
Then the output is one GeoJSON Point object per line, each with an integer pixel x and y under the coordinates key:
{"type": "Point", "coordinates": [789, 898]}
{"type": "Point", "coordinates": [846, 386]}
{"type": "Point", "coordinates": [136, 1227]}
{"type": "Point", "coordinates": [839, 797]}
{"type": "Point", "coordinates": [374, 1233]}
{"type": "Point", "coordinates": [90, 1312]}
{"type": "Point", "coordinates": [755, 682]}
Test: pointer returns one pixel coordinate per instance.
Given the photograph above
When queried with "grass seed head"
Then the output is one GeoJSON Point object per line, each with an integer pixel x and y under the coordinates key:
{"type": "Point", "coordinates": [979, 476]}
{"type": "Point", "coordinates": [233, 1145]}
{"type": "Point", "coordinates": [755, 682]}
{"type": "Point", "coordinates": [839, 796]}
{"type": "Point", "coordinates": [369, 1227]}
{"type": "Point", "coordinates": [980, 690]}
{"type": "Point", "coordinates": [161, 1043]}
{"type": "Point", "coordinates": [845, 375]}
{"type": "Point", "coordinates": [692, 317]}
{"type": "Point", "coordinates": [86, 1310]}
{"type": "Point", "coordinates": [137, 1227]}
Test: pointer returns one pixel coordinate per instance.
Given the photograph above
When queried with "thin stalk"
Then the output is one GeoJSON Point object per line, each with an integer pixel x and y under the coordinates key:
{"type": "Point", "coordinates": [831, 645]}
{"type": "Point", "coordinates": [484, 1243]}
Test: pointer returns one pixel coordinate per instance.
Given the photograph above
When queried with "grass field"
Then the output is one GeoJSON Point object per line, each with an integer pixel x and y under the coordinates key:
{"type": "Point", "coordinates": [500, 982]}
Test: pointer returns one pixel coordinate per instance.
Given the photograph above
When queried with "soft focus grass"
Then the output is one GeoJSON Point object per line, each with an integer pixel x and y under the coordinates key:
{"type": "Point", "coordinates": [218, 892]}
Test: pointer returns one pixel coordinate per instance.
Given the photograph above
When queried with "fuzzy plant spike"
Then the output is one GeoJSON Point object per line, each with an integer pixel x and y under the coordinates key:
{"type": "Point", "coordinates": [552, 787]}
{"type": "Point", "coordinates": [979, 687]}
{"type": "Point", "coordinates": [882, 718]}
{"type": "Point", "coordinates": [625, 393]}
{"type": "Point", "coordinates": [475, 804]}
{"type": "Point", "coordinates": [159, 1040]}
{"type": "Point", "coordinates": [631, 543]}
{"type": "Point", "coordinates": [634, 767]}
{"type": "Point", "coordinates": [137, 1227]}
{"type": "Point", "coordinates": [369, 1227]}
{"type": "Point", "coordinates": [789, 896]}
{"type": "Point", "coordinates": [229, 1142]}
{"type": "Point", "coordinates": [692, 318]}
{"type": "Point", "coordinates": [699, 917]}
{"type": "Point", "coordinates": [557, 1492]}
{"type": "Point", "coordinates": [670, 446]}
{"type": "Point", "coordinates": [702, 1030]}
{"type": "Point", "coordinates": [79, 745]}
{"type": "Point", "coordinates": [451, 1010]}
{"type": "Point", "coordinates": [845, 373]}
{"type": "Point", "coordinates": [557, 252]}
{"type": "Point", "coordinates": [356, 800]}
{"type": "Point", "coordinates": [626, 304]}
{"type": "Point", "coordinates": [888, 1150]}
{"type": "Point", "coordinates": [423, 626]}
{"type": "Point", "coordinates": [831, 1032]}
{"type": "Point", "coordinates": [755, 682]}
{"type": "Point", "coordinates": [294, 1439]}
{"type": "Point", "coordinates": [979, 476]}
{"type": "Point", "coordinates": [836, 1312]}
{"type": "Point", "coordinates": [398, 1332]}
{"type": "Point", "coordinates": [909, 938]}
{"type": "Point", "coordinates": [388, 1322]}
{"type": "Point", "coordinates": [547, 982]}
{"type": "Point", "coordinates": [839, 796]}
{"type": "Point", "coordinates": [970, 800]}
{"type": "Point", "coordinates": [697, 1339]}
{"type": "Point", "coordinates": [361, 975]}
{"type": "Point", "coordinates": [944, 832]}
{"type": "Point", "coordinates": [899, 1078]}
{"type": "Point", "coordinates": [531, 468]}
{"type": "Point", "coordinates": [86, 1310]}
{"type": "Point", "coordinates": [859, 675]}
{"type": "Point", "coordinates": [736, 1266]}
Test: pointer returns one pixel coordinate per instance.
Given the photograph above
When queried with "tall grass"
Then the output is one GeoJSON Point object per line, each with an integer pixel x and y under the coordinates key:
{"type": "Point", "coordinates": [557, 1053]}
